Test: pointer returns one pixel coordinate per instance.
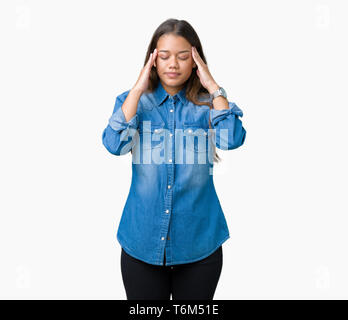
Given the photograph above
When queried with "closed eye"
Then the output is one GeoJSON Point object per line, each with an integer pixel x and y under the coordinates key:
{"type": "Point", "coordinates": [179, 58]}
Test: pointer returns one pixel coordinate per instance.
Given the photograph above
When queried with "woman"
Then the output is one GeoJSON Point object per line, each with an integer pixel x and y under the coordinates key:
{"type": "Point", "coordinates": [172, 226]}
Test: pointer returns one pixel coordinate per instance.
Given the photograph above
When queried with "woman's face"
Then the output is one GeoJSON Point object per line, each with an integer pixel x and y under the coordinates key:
{"type": "Point", "coordinates": [174, 55]}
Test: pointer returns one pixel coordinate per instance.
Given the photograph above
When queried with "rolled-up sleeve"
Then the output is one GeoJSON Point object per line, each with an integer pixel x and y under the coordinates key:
{"type": "Point", "coordinates": [229, 131]}
{"type": "Point", "coordinates": [118, 135]}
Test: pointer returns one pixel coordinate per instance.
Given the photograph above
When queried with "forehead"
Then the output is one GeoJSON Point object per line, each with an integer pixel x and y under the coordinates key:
{"type": "Point", "coordinates": [173, 44]}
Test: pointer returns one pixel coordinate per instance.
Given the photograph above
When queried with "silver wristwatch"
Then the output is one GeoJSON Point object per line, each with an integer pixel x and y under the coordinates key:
{"type": "Point", "coordinates": [219, 92]}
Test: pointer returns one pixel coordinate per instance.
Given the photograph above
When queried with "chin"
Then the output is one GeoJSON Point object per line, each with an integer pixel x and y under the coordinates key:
{"type": "Point", "coordinates": [173, 82]}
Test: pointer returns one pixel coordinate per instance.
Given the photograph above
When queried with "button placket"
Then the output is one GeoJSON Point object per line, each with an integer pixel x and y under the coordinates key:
{"type": "Point", "coordinates": [170, 166]}
{"type": "Point", "coordinates": [173, 100]}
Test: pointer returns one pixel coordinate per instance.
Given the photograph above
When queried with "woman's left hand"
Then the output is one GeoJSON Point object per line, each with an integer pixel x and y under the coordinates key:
{"type": "Point", "coordinates": [203, 73]}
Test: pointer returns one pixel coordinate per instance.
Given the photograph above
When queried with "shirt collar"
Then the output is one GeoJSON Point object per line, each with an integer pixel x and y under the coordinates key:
{"type": "Point", "coordinates": [161, 94]}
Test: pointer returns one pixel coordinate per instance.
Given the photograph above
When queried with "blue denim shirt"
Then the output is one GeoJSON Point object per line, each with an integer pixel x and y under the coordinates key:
{"type": "Point", "coordinates": [172, 207]}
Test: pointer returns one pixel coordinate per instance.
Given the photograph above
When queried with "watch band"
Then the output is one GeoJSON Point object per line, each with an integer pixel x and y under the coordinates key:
{"type": "Point", "coordinates": [219, 92]}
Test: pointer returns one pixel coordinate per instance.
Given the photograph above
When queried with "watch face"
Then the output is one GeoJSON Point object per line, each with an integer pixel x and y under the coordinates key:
{"type": "Point", "coordinates": [222, 90]}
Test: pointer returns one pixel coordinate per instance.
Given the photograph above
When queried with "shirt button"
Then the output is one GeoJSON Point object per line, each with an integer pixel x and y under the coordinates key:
{"type": "Point", "coordinates": [169, 187]}
{"type": "Point", "coordinates": [171, 110]}
{"type": "Point", "coordinates": [170, 160]}
{"type": "Point", "coordinates": [156, 130]}
{"type": "Point", "coordinates": [171, 134]}
{"type": "Point", "coordinates": [162, 238]}
{"type": "Point", "coordinates": [168, 238]}
{"type": "Point", "coordinates": [167, 211]}
{"type": "Point", "coordinates": [190, 131]}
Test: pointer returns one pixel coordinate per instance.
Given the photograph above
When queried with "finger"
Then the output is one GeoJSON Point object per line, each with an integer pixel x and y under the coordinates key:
{"type": "Point", "coordinates": [154, 55]}
{"type": "Point", "coordinates": [149, 62]}
{"type": "Point", "coordinates": [150, 58]}
{"type": "Point", "coordinates": [195, 59]}
{"type": "Point", "coordinates": [193, 54]}
{"type": "Point", "coordinates": [197, 56]}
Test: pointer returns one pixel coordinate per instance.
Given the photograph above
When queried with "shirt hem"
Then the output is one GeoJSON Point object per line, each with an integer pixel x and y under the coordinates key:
{"type": "Point", "coordinates": [129, 251]}
{"type": "Point", "coordinates": [201, 257]}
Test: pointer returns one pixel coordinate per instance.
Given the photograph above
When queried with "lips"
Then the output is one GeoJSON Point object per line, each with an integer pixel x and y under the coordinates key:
{"type": "Point", "coordinates": [172, 74]}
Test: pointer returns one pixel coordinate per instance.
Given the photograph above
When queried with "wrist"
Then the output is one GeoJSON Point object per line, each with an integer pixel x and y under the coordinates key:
{"type": "Point", "coordinates": [136, 91]}
{"type": "Point", "coordinates": [213, 87]}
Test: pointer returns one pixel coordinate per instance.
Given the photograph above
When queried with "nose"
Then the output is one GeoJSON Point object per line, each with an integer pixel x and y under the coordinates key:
{"type": "Point", "coordinates": [173, 64]}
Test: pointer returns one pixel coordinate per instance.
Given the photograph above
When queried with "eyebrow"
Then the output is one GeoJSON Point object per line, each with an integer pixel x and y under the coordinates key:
{"type": "Point", "coordinates": [178, 52]}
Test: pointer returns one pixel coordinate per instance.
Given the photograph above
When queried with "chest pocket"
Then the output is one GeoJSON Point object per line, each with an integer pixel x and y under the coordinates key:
{"type": "Point", "coordinates": [196, 138]}
{"type": "Point", "coordinates": [152, 136]}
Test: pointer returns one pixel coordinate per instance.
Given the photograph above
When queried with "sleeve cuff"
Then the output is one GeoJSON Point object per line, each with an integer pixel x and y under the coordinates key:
{"type": "Point", "coordinates": [118, 121]}
{"type": "Point", "coordinates": [218, 115]}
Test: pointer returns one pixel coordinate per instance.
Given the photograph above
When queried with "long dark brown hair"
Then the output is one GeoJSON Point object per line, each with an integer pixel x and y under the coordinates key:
{"type": "Point", "coordinates": [194, 88]}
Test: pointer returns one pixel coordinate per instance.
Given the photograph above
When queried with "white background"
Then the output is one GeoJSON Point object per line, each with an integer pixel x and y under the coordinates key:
{"type": "Point", "coordinates": [284, 63]}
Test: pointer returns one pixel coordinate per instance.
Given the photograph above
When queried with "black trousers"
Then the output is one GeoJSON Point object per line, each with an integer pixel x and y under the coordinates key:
{"type": "Point", "coordinates": [189, 281]}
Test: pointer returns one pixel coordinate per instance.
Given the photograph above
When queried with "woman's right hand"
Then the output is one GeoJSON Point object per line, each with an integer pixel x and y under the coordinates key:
{"type": "Point", "coordinates": [143, 80]}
